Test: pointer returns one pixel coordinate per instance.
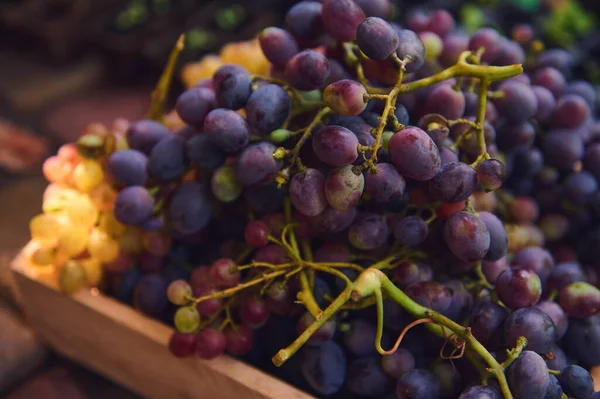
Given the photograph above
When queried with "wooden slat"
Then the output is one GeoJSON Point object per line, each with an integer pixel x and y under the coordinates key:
{"type": "Point", "coordinates": [131, 349]}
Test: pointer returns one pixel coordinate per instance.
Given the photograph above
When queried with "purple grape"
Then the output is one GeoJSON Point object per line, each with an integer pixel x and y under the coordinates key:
{"type": "Point", "coordinates": [430, 294]}
{"type": "Point", "coordinates": [535, 259]}
{"type": "Point", "coordinates": [533, 324]}
{"type": "Point", "coordinates": [133, 205]}
{"type": "Point", "coordinates": [227, 129]}
{"type": "Point", "coordinates": [491, 174]}
{"type": "Point", "coordinates": [467, 236]}
{"type": "Point", "coordinates": [412, 272]}
{"type": "Point", "coordinates": [583, 89]}
{"type": "Point", "coordinates": [528, 376]}
{"type": "Point", "coordinates": [552, 79]}
{"type": "Point", "coordinates": [446, 101]}
{"type": "Point", "coordinates": [256, 164]}
{"type": "Point", "coordinates": [518, 288]}
{"type": "Point", "coordinates": [278, 45]}
{"type": "Point", "coordinates": [304, 21]}
{"type": "Point", "coordinates": [558, 316]}
{"type": "Point", "coordinates": [579, 187]}
{"type": "Point", "coordinates": [564, 274]}
{"type": "Point", "coordinates": [487, 319]}
{"type": "Point", "coordinates": [376, 8]}
{"type": "Point", "coordinates": [462, 301]}
{"type": "Point", "coordinates": [545, 103]}
{"type": "Point", "coordinates": [576, 382]}
{"type": "Point", "coordinates": [343, 188]}
{"type": "Point", "coordinates": [232, 86]}
{"type": "Point", "coordinates": [492, 269]}
{"type": "Point", "coordinates": [324, 368]}
{"type": "Point", "coordinates": [529, 162]}
{"type": "Point", "coordinates": [410, 46]}
{"type": "Point", "coordinates": [189, 209]}
{"type": "Point", "coordinates": [332, 220]}
{"type": "Point", "coordinates": [570, 112]}
{"type": "Point", "coordinates": [386, 185]}
{"type": "Point", "coordinates": [366, 378]}
{"type": "Point", "coordinates": [307, 70]}
{"type": "Point", "coordinates": [453, 45]}
{"type": "Point", "coordinates": [376, 38]}
{"type": "Point", "coordinates": [488, 39]}
{"type": "Point", "coordinates": [515, 136]}
{"type": "Point", "coordinates": [307, 192]}
{"type": "Point", "coordinates": [557, 58]}
{"type": "Point", "coordinates": [480, 392]}
{"type": "Point", "coordinates": [128, 167]}
{"type": "Point", "coordinates": [167, 159]}
{"type": "Point", "coordinates": [144, 134]}
{"type": "Point", "coordinates": [447, 156]}
{"type": "Point", "coordinates": [580, 300]}
{"type": "Point", "coordinates": [268, 108]}
{"type": "Point", "coordinates": [341, 19]}
{"type": "Point", "coordinates": [346, 97]}
{"type": "Point", "coordinates": [368, 231]}
{"type": "Point", "coordinates": [498, 236]}
{"type": "Point", "coordinates": [455, 182]}
{"type": "Point", "coordinates": [335, 145]}
{"type": "Point", "coordinates": [411, 231]}
{"type": "Point", "coordinates": [150, 295]}
{"type": "Point", "coordinates": [418, 383]}
{"type": "Point", "coordinates": [559, 360]}
{"type": "Point", "coordinates": [203, 153]}
{"type": "Point", "coordinates": [194, 104]}
{"type": "Point", "coordinates": [398, 363]}
{"type": "Point", "coordinates": [510, 53]}
{"type": "Point", "coordinates": [518, 102]}
{"type": "Point", "coordinates": [562, 150]}
{"type": "Point", "coordinates": [360, 338]}
{"type": "Point", "coordinates": [582, 340]}
{"type": "Point", "coordinates": [414, 154]}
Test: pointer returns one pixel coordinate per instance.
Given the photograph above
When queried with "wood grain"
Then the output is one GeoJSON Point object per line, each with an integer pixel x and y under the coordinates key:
{"type": "Point", "coordinates": [131, 349]}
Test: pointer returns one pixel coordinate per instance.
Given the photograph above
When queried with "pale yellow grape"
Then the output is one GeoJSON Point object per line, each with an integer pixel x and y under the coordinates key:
{"type": "Point", "coordinates": [44, 228]}
{"type": "Point", "coordinates": [57, 171]}
{"type": "Point", "coordinates": [43, 256]}
{"type": "Point", "coordinates": [109, 224]}
{"type": "Point", "coordinates": [59, 199]}
{"type": "Point", "coordinates": [130, 241]}
{"type": "Point", "coordinates": [103, 196]}
{"type": "Point", "coordinates": [187, 319]}
{"type": "Point", "coordinates": [71, 277]}
{"type": "Point", "coordinates": [93, 270]}
{"type": "Point", "coordinates": [101, 246]}
{"type": "Point", "coordinates": [82, 211]}
{"type": "Point", "coordinates": [87, 175]}
{"type": "Point", "coordinates": [72, 238]}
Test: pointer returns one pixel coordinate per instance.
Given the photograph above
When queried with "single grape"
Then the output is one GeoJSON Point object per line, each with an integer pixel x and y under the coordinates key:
{"type": "Point", "coordinates": [254, 312]}
{"type": "Point", "coordinates": [487, 319]}
{"type": "Point", "coordinates": [446, 101]}
{"type": "Point", "coordinates": [268, 108]}
{"type": "Point", "coordinates": [278, 45]}
{"type": "Point", "coordinates": [307, 192]}
{"type": "Point", "coordinates": [346, 97]}
{"type": "Point", "coordinates": [194, 104]}
{"type": "Point", "coordinates": [335, 145]}
{"type": "Point", "coordinates": [515, 136]}
{"type": "Point", "coordinates": [227, 129]}
{"type": "Point", "coordinates": [187, 319]}
{"type": "Point", "coordinates": [554, 389]}
{"type": "Point", "coordinates": [128, 167]}
{"type": "Point", "coordinates": [518, 288]}
{"type": "Point", "coordinates": [144, 134]}
{"type": "Point", "coordinates": [580, 300]}
{"type": "Point", "coordinates": [583, 89]}
{"type": "Point", "coordinates": [189, 209]}
{"type": "Point", "coordinates": [550, 78]}
{"type": "Point", "coordinates": [491, 174]}
{"type": "Point", "coordinates": [150, 295]}
{"type": "Point", "coordinates": [256, 164]}
{"type": "Point", "coordinates": [433, 45]}
{"type": "Point", "coordinates": [414, 154]}
{"type": "Point", "coordinates": [518, 102]}
{"type": "Point", "coordinates": [535, 259]}
{"type": "Point", "coordinates": [533, 324]}
{"type": "Point", "coordinates": [72, 277]}
{"type": "Point", "coordinates": [510, 53]}
{"type": "Point", "coordinates": [210, 343]}
{"type": "Point", "coordinates": [453, 45]}
{"type": "Point", "coordinates": [87, 175]}
{"type": "Point", "coordinates": [366, 378]}
{"type": "Point", "coordinates": [307, 70]}
{"type": "Point", "coordinates": [341, 19]}
{"type": "Point", "coordinates": [571, 111]}
{"type": "Point", "coordinates": [133, 206]}
{"type": "Point", "coordinates": [178, 292]}
{"type": "Point", "coordinates": [182, 344]}
{"type": "Point", "coordinates": [412, 272]}
{"type": "Point", "coordinates": [430, 294]}
{"type": "Point", "coordinates": [411, 48]}
{"type": "Point", "coordinates": [561, 150]}
{"type": "Point", "coordinates": [467, 236]}
{"type": "Point", "coordinates": [332, 220]}
{"type": "Point", "coordinates": [386, 185]}
{"type": "Point", "coordinates": [489, 39]}
{"type": "Point", "coordinates": [528, 376]}
{"type": "Point", "coordinates": [546, 103]}
{"type": "Point", "coordinates": [232, 86]}
{"type": "Point", "coordinates": [498, 236]}
{"type": "Point", "coordinates": [167, 159]}
{"type": "Point", "coordinates": [558, 316]}
{"type": "Point", "coordinates": [360, 337]}
{"type": "Point", "coordinates": [559, 359]}
{"type": "Point", "coordinates": [576, 382]}
{"type": "Point", "coordinates": [343, 188]}
{"type": "Point", "coordinates": [324, 368]}
{"type": "Point", "coordinates": [411, 231]}
{"type": "Point", "coordinates": [203, 153]}
{"type": "Point", "coordinates": [398, 363]}
{"type": "Point", "coordinates": [224, 274]}
{"type": "Point", "coordinates": [564, 274]}
{"type": "Point", "coordinates": [455, 182]}
{"type": "Point", "coordinates": [304, 21]}
{"type": "Point", "coordinates": [368, 231]}
{"type": "Point", "coordinates": [480, 392]}
{"type": "Point", "coordinates": [376, 38]}
{"type": "Point", "coordinates": [239, 341]}
{"type": "Point", "coordinates": [102, 247]}
{"type": "Point", "coordinates": [579, 187]}
{"type": "Point", "coordinates": [256, 234]}
{"type": "Point", "coordinates": [418, 383]}
{"type": "Point", "coordinates": [224, 184]}
{"type": "Point", "coordinates": [375, 8]}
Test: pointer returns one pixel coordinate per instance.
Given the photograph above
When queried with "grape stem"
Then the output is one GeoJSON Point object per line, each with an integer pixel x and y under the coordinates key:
{"type": "Point", "coordinates": [514, 353]}
{"type": "Point", "coordinates": [308, 131]}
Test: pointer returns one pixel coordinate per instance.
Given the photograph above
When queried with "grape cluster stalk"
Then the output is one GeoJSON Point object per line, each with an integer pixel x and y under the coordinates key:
{"type": "Point", "coordinates": [357, 181]}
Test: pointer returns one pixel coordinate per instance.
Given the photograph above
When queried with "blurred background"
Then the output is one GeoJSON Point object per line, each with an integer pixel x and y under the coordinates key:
{"type": "Point", "coordinates": [66, 63]}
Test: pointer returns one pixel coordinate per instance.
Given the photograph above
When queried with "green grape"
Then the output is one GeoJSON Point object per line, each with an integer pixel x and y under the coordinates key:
{"type": "Point", "coordinates": [178, 292]}
{"type": "Point", "coordinates": [72, 277]}
{"type": "Point", "coordinates": [279, 135]}
{"type": "Point", "coordinates": [187, 319]}
{"type": "Point", "coordinates": [225, 185]}
{"type": "Point", "coordinates": [385, 139]}
{"type": "Point", "coordinates": [313, 95]}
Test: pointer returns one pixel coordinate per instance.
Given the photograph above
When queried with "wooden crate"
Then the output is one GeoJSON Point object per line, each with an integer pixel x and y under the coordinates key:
{"type": "Point", "coordinates": [124, 346]}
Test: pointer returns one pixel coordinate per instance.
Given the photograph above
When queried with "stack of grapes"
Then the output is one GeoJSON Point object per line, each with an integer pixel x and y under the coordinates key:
{"type": "Point", "coordinates": [379, 182]}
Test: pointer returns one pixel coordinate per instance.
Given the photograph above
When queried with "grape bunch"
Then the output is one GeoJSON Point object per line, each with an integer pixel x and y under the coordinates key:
{"type": "Point", "coordinates": [390, 211]}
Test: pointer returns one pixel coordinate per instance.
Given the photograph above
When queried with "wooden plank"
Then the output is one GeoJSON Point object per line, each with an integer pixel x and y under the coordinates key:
{"type": "Point", "coordinates": [131, 349]}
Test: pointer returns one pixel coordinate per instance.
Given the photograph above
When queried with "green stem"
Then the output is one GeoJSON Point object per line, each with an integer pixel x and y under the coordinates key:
{"type": "Point", "coordinates": [307, 297]}
{"type": "Point", "coordinates": [308, 131]}
{"type": "Point", "coordinates": [514, 353]}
